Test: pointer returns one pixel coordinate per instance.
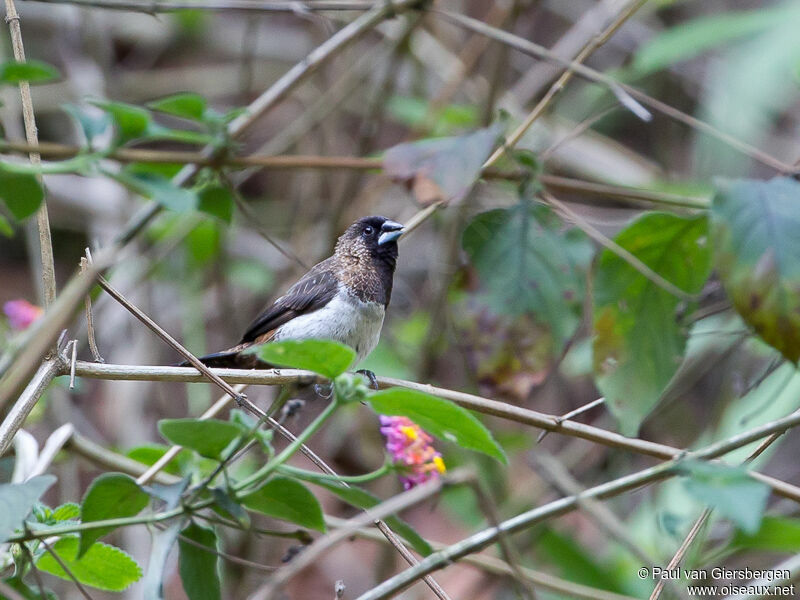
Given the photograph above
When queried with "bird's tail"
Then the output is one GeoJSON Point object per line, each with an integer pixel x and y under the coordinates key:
{"type": "Point", "coordinates": [232, 358]}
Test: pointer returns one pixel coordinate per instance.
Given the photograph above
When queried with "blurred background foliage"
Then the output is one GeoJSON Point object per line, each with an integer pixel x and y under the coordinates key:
{"type": "Point", "coordinates": [498, 293]}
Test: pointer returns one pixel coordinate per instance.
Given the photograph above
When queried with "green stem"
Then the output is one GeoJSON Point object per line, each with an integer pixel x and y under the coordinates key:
{"type": "Point", "coordinates": [287, 452]}
{"type": "Point", "coordinates": [311, 476]}
{"type": "Point", "coordinates": [72, 165]}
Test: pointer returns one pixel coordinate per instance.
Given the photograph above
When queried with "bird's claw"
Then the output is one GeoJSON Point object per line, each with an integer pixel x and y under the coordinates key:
{"type": "Point", "coordinates": [371, 378]}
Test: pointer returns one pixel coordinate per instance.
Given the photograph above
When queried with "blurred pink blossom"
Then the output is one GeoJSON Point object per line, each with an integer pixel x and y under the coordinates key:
{"type": "Point", "coordinates": [412, 450]}
{"type": "Point", "coordinates": [21, 313]}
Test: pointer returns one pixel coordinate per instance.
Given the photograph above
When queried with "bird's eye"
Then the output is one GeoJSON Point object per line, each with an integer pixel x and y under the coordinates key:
{"type": "Point", "coordinates": [368, 230]}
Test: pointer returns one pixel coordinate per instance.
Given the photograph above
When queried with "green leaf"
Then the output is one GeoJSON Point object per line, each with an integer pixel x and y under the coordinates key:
{"type": "Point", "coordinates": [199, 567]}
{"type": "Point", "coordinates": [325, 357]}
{"type": "Point", "coordinates": [438, 417]}
{"type": "Point", "coordinates": [186, 105]}
{"type": "Point", "coordinates": [110, 496]}
{"type": "Point", "coordinates": [289, 500]}
{"type": "Point", "coordinates": [413, 112]}
{"type": "Point", "coordinates": [21, 192]}
{"type": "Point", "coordinates": [528, 266]}
{"type": "Point", "coordinates": [103, 567]}
{"type": "Point", "coordinates": [638, 345]}
{"type": "Point", "coordinates": [163, 541]}
{"type": "Point", "coordinates": [729, 490]}
{"type": "Point", "coordinates": [131, 121]}
{"type": "Point", "coordinates": [207, 437]}
{"type": "Point", "coordinates": [441, 169]}
{"type": "Point", "coordinates": [68, 511]}
{"type": "Point", "coordinates": [776, 534]}
{"type": "Point", "coordinates": [16, 501]}
{"type": "Point", "coordinates": [204, 241]}
{"type": "Point", "coordinates": [216, 200]}
{"type": "Point", "coordinates": [360, 498]}
{"type": "Point", "coordinates": [32, 71]}
{"type": "Point", "coordinates": [92, 125]}
{"type": "Point", "coordinates": [228, 507]}
{"type": "Point", "coordinates": [690, 39]}
{"type": "Point", "coordinates": [161, 189]}
{"type": "Point", "coordinates": [5, 227]}
{"type": "Point", "coordinates": [149, 454]}
{"type": "Point", "coordinates": [757, 254]}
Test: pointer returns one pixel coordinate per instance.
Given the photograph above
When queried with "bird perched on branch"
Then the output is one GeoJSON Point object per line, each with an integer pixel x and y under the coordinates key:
{"type": "Point", "coordinates": [343, 298]}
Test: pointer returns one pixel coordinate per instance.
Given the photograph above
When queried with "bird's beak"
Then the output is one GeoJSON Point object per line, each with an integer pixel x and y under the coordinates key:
{"type": "Point", "coordinates": [390, 231]}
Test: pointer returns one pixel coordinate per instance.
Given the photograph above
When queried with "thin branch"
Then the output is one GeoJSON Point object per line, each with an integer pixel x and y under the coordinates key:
{"type": "Point", "coordinates": [496, 566]}
{"type": "Point", "coordinates": [681, 552]}
{"type": "Point", "coordinates": [540, 52]}
{"type": "Point", "coordinates": [597, 41]}
{"type": "Point", "coordinates": [169, 6]}
{"type": "Point", "coordinates": [523, 521]}
{"type": "Point", "coordinates": [386, 508]}
{"type": "Point", "coordinates": [27, 400]}
{"type": "Point", "coordinates": [31, 134]}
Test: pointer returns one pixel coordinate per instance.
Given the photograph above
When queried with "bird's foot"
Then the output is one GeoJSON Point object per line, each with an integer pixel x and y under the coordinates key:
{"type": "Point", "coordinates": [373, 381]}
{"type": "Point", "coordinates": [323, 390]}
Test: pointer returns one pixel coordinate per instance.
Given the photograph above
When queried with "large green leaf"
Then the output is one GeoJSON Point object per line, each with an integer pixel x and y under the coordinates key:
{"type": "Point", "coordinates": [729, 490]}
{"type": "Point", "coordinates": [32, 71]}
{"type": "Point", "coordinates": [441, 169]}
{"type": "Point", "coordinates": [216, 200]}
{"type": "Point", "coordinates": [360, 498]}
{"type": "Point", "coordinates": [325, 357]}
{"type": "Point", "coordinates": [757, 253]}
{"type": "Point", "coordinates": [207, 437]}
{"type": "Point", "coordinates": [438, 417]}
{"type": "Point", "coordinates": [104, 567]}
{"type": "Point", "coordinates": [199, 564]}
{"type": "Point", "coordinates": [110, 496]}
{"type": "Point", "coordinates": [21, 192]}
{"type": "Point", "coordinates": [638, 345]}
{"type": "Point", "coordinates": [16, 501]}
{"type": "Point", "coordinates": [161, 189]}
{"type": "Point", "coordinates": [528, 266]}
{"type": "Point", "coordinates": [289, 500]}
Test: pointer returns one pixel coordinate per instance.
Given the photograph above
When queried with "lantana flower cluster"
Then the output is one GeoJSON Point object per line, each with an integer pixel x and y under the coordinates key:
{"type": "Point", "coordinates": [21, 313]}
{"type": "Point", "coordinates": [412, 451]}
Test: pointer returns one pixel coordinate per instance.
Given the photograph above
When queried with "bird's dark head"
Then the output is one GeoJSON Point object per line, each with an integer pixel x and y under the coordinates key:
{"type": "Point", "coordinates": [371, 237]}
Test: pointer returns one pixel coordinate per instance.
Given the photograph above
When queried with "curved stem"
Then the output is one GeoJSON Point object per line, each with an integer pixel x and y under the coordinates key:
{"type": "Point", "coordinates": [311, 476]}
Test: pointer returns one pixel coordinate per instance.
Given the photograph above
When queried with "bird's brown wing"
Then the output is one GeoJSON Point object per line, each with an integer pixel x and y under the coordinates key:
{"type": "Point", "coordinates": [313, 291]}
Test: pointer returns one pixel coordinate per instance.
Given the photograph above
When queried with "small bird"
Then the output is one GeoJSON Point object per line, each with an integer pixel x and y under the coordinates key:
{"type": "Point", "coordinates": [343, 298]}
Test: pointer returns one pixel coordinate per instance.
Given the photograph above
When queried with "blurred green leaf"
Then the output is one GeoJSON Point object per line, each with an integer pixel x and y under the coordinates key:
{"type": "Point", "coordinates": [149, 454]}
{"type": "Point", "coordinates": [230, 508]}
{"type": "Point", "coordinates": [163, 541]}
{"type": "Point", "coordinates": [289, 500]}
{"type": "Point", "coordinates": [442, 169]}
{"type": "Point", "coordinates": [103, 567]}
{"type": "Point", "coordinates": [187, 105]}
{"type": "Point", "coordinates": [21, 192]}
{"type": "Point", "coordinates": [204, 241]}
{"type": "Point", "coordinates": [575, 562]}
{"type": "Point", "coordinates": [776, 534]}
{"type": "Point", "coordinates": [325, 357]}
{"type": "Point", "coordinates": [757, 254]}
{"type": "Point", "coordinates": [91, 125]}
{"type": "Point", "coordinates": [17, 499]}
{"type": "Point", "coordinates": [110, 496]}
{"type": "Point", "coordinates": [638, 345]}
{"type": "Point", "coordinates": [729, 490]}
{"type": "Point", "coordinates": [207, 437]}
{"type": "Point", "coordinates": [5, 227]}
{"type": "Point", "coordinates": [199, 564]}
{"type": "Point", "coordinates": [216, 200]}
{"type": "Point", "coordinates": [161, 189]}
{"type": "Point", "coordinates": [528, 266]}
{"type": "Point", "coordinates": [689, 39]}
{"type": "Point", "coordinates": [131, 121]}
{"type": "Point", "coordinates": [438, 417]}
{"type": "Point", "coordinates": [361, 498]}
{"type": "Point", "coordinates": [446, 120]}
{"type": "Point", "coordinates": [32, 71]}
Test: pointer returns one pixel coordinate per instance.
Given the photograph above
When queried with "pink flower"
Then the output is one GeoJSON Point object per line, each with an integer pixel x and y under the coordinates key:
{"type": "Point", "coordinates": [412, 450]}
{"type": "Point", "coordinates": [21, 313]}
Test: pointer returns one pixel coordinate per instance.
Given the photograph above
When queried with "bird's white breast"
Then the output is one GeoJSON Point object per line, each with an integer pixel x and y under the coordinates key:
{"type": "Point", "coordinates": [345, 319]}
